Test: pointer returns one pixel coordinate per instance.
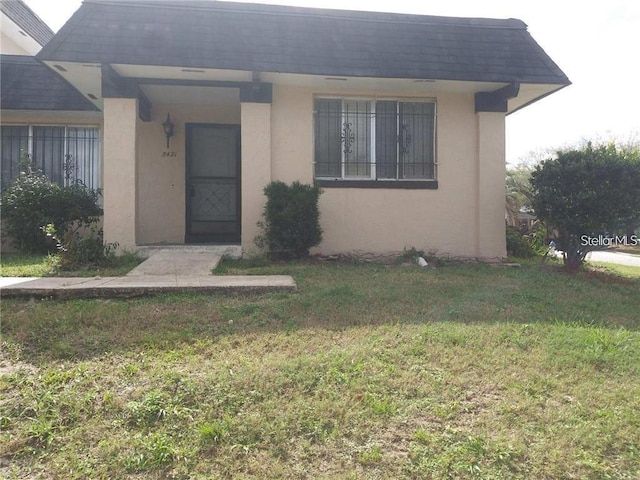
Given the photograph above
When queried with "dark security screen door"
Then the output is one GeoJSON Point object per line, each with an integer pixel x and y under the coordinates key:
{"type": "Point", "coordinates": [213, 183]}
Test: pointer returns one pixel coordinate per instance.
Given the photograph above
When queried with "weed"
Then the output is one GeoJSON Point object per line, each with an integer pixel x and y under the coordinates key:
{"type": "Point", "coordinates": [151, 409]}
{"type": "Point", "coordinates": [410, 255]}
{"type": "Point", "coordinates": [380, 405]}
{"type": "Point", "coordinates": [448, 411]}
{"type": "Point", "coordinates": [150, 453]}
{"type": "Point", "coordinates": [130, 370]}
{"type": "Point", "coordinates": [41, 432]}
{"type": "Point", "coordinates": [215, 432]}
{"type": "Point", "coordinates": [422, 436]}
{"type": "Point", "coordinates": [370, 455]}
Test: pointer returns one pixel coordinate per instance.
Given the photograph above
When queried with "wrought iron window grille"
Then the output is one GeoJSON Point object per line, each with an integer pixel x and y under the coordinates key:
{"type": "Point", "coordinates": [347, 137]}
{"type": "Point", "coordinates": [66, 154]}
{"type": "Point", "coordinates": [68, 166]}
{"type": "Point", "coordinates": [379, 140]}
{"type": "Point", "coordinates": [404, 139]}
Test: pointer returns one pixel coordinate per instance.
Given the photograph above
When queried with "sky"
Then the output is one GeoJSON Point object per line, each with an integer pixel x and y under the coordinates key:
{"type": "Point", "coordinates": [595, 43]}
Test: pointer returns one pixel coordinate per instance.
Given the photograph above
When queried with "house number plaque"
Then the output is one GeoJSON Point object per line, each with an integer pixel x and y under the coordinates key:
{"type": "Point", "coordinates": [169, 154]}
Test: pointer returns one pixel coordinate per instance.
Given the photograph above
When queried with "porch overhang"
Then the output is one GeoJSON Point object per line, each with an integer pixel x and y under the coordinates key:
{"type": "Point", "coordinates": [115, 86]}
{"type": "Point", "coordinates": [97, 81]}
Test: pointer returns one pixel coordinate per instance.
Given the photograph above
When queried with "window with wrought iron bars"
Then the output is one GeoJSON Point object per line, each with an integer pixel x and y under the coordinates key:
{"type": "Point", "coordinates": [66, 154]}
{"type": "Point", "coordinates": [364, 139]}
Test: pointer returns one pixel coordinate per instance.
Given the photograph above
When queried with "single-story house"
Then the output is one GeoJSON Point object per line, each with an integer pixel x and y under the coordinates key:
{"type": "Point", "coordinates": [199, 104]}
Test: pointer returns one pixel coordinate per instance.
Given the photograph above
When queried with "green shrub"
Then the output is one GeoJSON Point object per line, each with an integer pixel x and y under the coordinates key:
{"type": "Point", "coordinates": [79, 249]}
{"type": "Point", "coordinates": [25, 205]}
{"type": "Point", "coordinates": [291, 220]}
{"type": "Point", "coordinates": [75, 207]}
{"type": "Point", "coordinates": [32, 202]}
{"type": "Point", "coordinates": [518, 244]}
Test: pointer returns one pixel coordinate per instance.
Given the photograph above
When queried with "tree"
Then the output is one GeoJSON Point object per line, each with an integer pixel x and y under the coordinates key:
{"type": "Point", "coordinates": [518, 192]}
{"type": "Point", "coordinates": [587, 193]}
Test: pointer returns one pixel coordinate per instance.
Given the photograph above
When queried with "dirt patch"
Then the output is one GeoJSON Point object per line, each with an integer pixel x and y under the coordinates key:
{"type": "Point", "coordinates": [9, 367]}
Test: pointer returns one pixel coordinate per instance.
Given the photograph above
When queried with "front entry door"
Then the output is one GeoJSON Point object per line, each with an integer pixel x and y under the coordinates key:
{"type": "Point", "coordinates": [213, 183]}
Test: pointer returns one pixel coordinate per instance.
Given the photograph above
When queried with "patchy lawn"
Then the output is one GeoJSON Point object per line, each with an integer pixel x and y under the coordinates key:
{"type": "Point", "coordinates": [631, 249]}
{"type": "Point", "coordinates": [21, 265]}
{"type": "Point", "coordinates": [614, 270]}
{"type": "Point", "coordinates": [369, 371]}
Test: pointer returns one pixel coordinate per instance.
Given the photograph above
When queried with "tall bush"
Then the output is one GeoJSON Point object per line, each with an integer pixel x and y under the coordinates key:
{"type": "Point", "coordinates": [32, 202]}
{"type": "Point", "coordinates": [586, 193]}
{"type": "Point", "coordinates": [291, 224]}
{"type": "Point", "coordinates": [517, 244]}
{"type": "Point", "coordinates": [25, 206]}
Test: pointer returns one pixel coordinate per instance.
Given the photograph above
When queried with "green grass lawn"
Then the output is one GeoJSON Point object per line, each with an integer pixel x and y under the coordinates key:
{"type": "Point", "coordinates": [630, 249]}
{"type": "Point", "coordinates": [616, 270]}
{"type": "Point", "coordinates": [369, 371]}
{"type": "Point", "coordinates": [23, 265]}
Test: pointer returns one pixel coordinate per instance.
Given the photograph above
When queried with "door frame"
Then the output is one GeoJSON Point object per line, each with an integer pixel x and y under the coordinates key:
{"type": "Point", "coordinates": [235, 238]}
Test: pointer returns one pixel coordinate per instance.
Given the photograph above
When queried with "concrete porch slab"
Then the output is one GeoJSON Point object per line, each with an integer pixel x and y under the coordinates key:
{"type": "Point", "coordinates": [233, 251]}
{"type": "Point", "coordinates": [167, 262]}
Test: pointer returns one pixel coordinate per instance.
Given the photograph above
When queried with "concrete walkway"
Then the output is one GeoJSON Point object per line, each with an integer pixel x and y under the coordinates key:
{"type": "Point", "coordinates": [163, 272]}
{"type": "Point", "coordinates": [166, 262]}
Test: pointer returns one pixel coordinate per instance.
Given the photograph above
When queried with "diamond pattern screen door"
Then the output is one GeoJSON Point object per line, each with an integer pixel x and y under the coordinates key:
{"type": "Point", "coordinates": [213, 183]}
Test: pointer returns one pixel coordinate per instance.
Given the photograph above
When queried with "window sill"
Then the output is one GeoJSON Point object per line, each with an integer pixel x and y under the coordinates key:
{"type": "Point", "coordinates": [393, 184]}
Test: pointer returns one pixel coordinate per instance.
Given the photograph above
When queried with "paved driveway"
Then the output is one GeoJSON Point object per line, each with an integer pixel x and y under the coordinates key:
{"type": "Point", "coordinates": [614, 257]}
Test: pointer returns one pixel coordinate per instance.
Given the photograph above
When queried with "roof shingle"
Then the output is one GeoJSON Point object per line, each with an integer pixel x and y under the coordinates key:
{"type": "Point", "coordinates": [28, 84]}
{"type": "Point", "coordinates": [269, 38]}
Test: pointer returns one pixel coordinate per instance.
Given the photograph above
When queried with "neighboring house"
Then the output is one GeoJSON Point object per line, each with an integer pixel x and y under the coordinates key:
{"type": "Point", "coordinates": [399, 118]}
{"type": "Point", "coordinates": [22, 31]}
{"type": "Point", "coordinates": [526, 221]}
{"type": "Point", "coordinates": [42, 114]}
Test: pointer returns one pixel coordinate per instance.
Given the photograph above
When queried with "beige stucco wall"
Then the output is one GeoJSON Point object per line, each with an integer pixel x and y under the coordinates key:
{"type": "Point", "coordinates": [491, 189]}
{"type": "Point", "coordinates": [447, 221]}
{"type": "Point", "coordinates": [463, 217]}
{"type": "Point", "coordinates": [292, 135]}
{"type": "Point", "coordinates": [256, 169]}
{"type": "Point", "coordinates": [161, 178]}
{"type": "Point", "coordinates": [119, 172]}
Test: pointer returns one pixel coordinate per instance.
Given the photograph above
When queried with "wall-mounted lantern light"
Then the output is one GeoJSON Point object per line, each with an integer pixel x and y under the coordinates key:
{"type": "Point", "coordinates": [167, 125]}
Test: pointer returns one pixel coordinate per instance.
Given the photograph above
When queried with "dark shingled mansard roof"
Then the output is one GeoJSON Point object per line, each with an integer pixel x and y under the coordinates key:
{"type": "Point", "coordinates": [28, 84]}
{"type": "Point", "coordinates": [269, 38]}
{"type": "Point", "coordinates": [28, 21]}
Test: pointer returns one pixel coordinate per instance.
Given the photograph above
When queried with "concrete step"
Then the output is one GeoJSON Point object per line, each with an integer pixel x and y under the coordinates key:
{"type": "Point", "coordinates": [233, 251]}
